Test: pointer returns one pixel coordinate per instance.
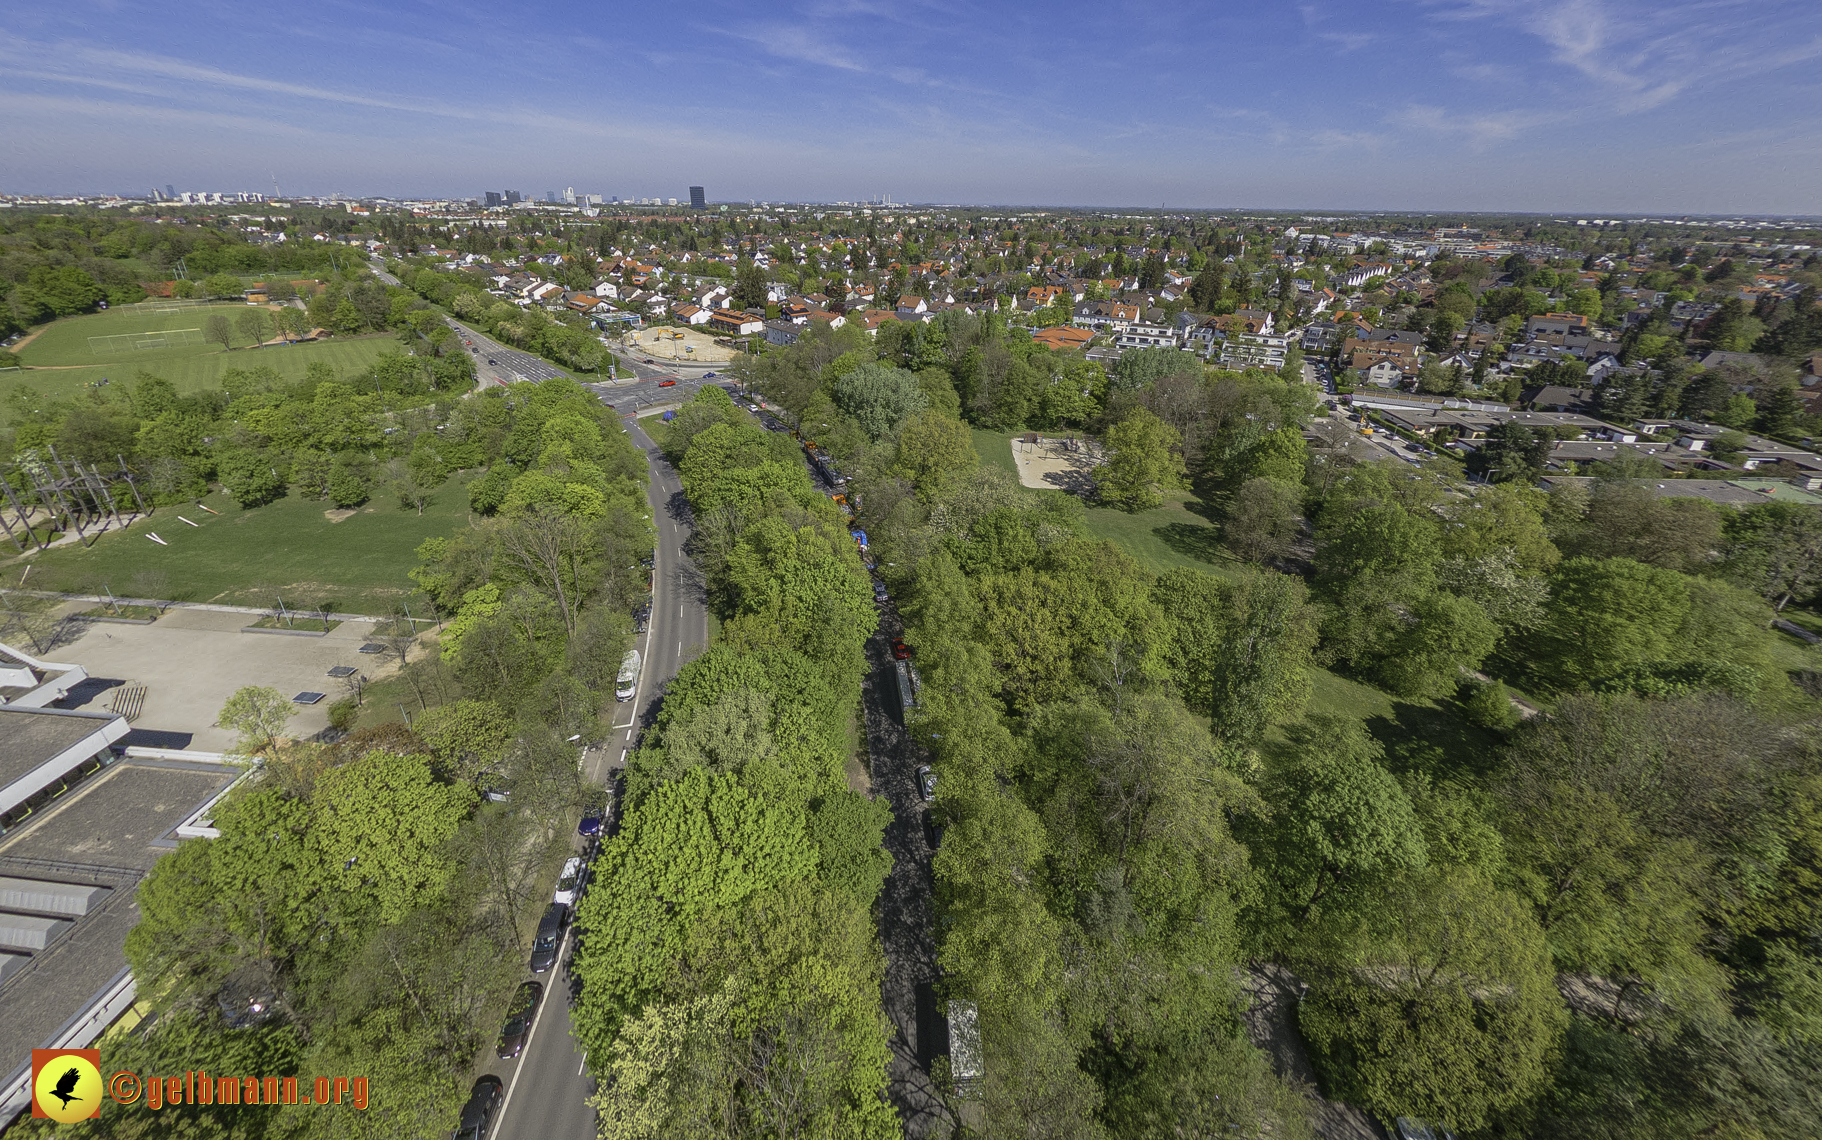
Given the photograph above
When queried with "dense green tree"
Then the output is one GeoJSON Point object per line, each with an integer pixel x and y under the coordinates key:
{"type": "Point", "coordinates": [1448, 1011]}
{"type": "Point", "coordinates": [1142, 462]}
{"type": "Point", "coordinates": [1606, 616]}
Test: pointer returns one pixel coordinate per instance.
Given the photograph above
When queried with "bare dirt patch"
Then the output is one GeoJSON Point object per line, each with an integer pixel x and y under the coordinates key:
{"type": "Point", "coordinates": [684, 345]}
{"type": "Point", "coordinates": [1057, 463]}
{"type": "Point", "coordinates": [339, 515]}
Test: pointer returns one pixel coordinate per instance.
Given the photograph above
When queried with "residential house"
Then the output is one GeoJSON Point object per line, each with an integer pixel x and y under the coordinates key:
{"type": "Point", "coordinates": [736, 322]}
{"type": "Point", "coordinates": [1555, 325]}
{"type": "Point", "coordinates": [871, 319]}
{"type": "Point", "coordinates": [911, 304]}
{"type": "Point", "coordinates": [1062, 338]}
{"type": "Point", "coordinates": [1246, 350]}
{"type": "Point", "coordinates": [1384, 373]}
{"type": "Point", "coordinates": [1321, 336]}
{"type": "Point", "coordinates": [1098, 315]}
{"type": "Point", "coordinates": [1247, 321]}
{"type": "Point", "coordinates": [1145, 336]}
{"type": "Point", "coordinates": [1397, 346]}
{"type": "Point", "coordinates": [1556, 398]}
{"type": "Point", "coordinates": [782, 333]}
{"type": "Point", "coordinates": [690, 314]}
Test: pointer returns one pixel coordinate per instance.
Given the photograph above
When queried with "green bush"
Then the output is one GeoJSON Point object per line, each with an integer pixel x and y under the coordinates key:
{"type": "Point", "coordinates": [1489, 705]}
{"type": "Point", "coordinates": [343, 714]}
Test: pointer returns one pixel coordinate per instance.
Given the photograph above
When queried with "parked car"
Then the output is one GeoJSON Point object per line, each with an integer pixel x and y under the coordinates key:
{"type": "Point", "coordinates": [545, 946]}
{"type": "Point", "coordinates": [626, 683]}
{"type": "Point", "coordinates": [590, 825]}
{"type": "Point", "coordinates": [517, 1030]}
{"type": "Point", "coordinates": [900, 651]}
{"type": "Point", "coordinates": [879, 591]}
{"type": "Point", "coordinates": [642, 617]}
{"type": "Point", "coordinates": [477, 1115]}
{"type": "Point", "coordinates": [570, 881]}
{"type": "Point", "coordinates": [926, 782]}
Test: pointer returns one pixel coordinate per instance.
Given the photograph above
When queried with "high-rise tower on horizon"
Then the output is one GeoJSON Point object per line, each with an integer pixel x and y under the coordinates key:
{"type": "Point", "coordinates": [698, 200]}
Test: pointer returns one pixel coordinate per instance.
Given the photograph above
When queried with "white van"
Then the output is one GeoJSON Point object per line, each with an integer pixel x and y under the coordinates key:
{"type": "Point", "coordinates": [627, 683]}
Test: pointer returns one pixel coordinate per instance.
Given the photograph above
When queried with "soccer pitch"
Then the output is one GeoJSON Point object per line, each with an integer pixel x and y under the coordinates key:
{"type": "Point", "coordinates": [77, 352]}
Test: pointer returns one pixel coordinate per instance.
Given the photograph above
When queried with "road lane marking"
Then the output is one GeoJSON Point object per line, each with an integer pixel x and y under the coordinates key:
{"type": "Point", "coordinates": [584, 1063]}
{"type": "Point", "coordinates": [532, 1034]}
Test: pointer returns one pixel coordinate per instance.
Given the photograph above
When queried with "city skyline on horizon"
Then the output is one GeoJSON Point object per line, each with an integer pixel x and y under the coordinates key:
{"type": "Point", "coordinates": [1403, 106]}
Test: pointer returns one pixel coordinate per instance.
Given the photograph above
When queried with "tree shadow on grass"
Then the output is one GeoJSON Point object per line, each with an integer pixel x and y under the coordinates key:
{"type": "Point", "coordinates": [1203, 509]}
{"type": "Point", "coordinates": [1202, 543]}
{"type": "Point", "coordinates": [1437, 740]}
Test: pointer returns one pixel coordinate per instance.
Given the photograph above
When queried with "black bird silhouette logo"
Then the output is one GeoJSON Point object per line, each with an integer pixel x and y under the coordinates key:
{"type": "Point", "coordinates": [66, 1086]}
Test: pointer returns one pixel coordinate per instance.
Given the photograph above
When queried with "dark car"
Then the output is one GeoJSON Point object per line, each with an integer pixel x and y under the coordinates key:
{"type": "Point", "coordinates": [477, 1114]}
{"type": "Point", "coordinates": [590, 826]}
{"type": "Point", "coordinates": [490, 360]}
{"type": "Point", "coordinates": [879, 591]}
{"type": "Point", "coordinates": [517, 1030]}
{"type": "Point", "coordinates": [900, 651]}
{"type": "Point", "coordinates": [667, 383]}
{"type": "Point", "coordinates": [708, 375]}
{"type": "Point", "coordinates": [545, 946]}
{"type": "Point", "coordinates": [642, 617]}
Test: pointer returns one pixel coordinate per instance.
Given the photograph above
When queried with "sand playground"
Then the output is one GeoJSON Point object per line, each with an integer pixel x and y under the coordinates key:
{"type": "Point", "coordinates": [1056, 463]}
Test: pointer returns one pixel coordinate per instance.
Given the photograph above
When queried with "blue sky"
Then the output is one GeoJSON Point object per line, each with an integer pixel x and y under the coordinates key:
{"type": "Point", "coordinates": [1679, 106]}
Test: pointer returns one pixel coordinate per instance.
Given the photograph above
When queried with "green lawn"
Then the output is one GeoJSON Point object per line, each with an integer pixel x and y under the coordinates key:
{"type": "Point", "coordinates": [289, 548]}
{"type": "Point", "coordinates": [995, 449]}
{"type": "Point", "coordinates": [1166, 537]}
{"type": "Point", "coordinates": [58, 361]}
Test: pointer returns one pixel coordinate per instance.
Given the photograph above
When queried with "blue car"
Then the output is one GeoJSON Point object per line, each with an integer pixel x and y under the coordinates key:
{"type": "Point", "coordinates": [590, 825]}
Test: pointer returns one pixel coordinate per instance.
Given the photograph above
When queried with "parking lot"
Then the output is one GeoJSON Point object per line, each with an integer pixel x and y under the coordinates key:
{"type": "Point", "coordinates": [192, 661]}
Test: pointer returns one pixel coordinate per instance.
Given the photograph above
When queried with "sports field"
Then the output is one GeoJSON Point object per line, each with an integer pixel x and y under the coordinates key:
{"type": "Point", "coordinates": [287, 548]}
{"type": "Point", "coordinates": [60, 359]}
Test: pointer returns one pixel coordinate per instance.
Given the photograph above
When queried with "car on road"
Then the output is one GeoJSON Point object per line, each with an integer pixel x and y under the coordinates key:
{"type": "Point", "coordinates": [926, 783]}
{"type": "Point", "coordinates": [477, 1115]}
{"type": "Point", "coordinates": [708, 375]}
{"type": "Point", "coordinates": [517, 1029]}
{"type": "Point", "coordinates": [490, 360]}
{"type": "Point", "coordinates": [570, 881]}
{"type": "Point", "coordinates": [545, 946]}
{"type": "Point", "coordinates": [590, 825]}
{"type": "Point", "coordinates": [879, 591]}
{"type": "Point", "coordinates": [900, 651]}
{"type": "Point", "coordinates": [667, 383]}
{"type": "Point", "coordinates": [642, 617]}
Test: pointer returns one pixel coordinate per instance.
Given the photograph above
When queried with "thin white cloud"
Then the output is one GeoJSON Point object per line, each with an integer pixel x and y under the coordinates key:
{"type": "Point", "coordinates": [1350, 41]}
{"type": "Point", "coordinates": [792, 41]}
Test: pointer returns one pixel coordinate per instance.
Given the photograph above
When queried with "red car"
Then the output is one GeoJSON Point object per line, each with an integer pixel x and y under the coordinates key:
{"type": "Point", "coordinates": [667, 383]}
{"type": "Point", "coordinates": [900, 651]}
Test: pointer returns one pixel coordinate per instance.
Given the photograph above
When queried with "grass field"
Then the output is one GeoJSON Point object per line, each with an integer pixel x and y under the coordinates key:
{"type": "Point", "coordinates": [288, 548]}
{"type": "Point", "coordinates": [58, 360]}
{"type": "Point", "coordinates": [1417, 734]}
{"type": "Point", "coordinates": [995, 450]}
{"type": "Point", "coordinates": [1165, 537]}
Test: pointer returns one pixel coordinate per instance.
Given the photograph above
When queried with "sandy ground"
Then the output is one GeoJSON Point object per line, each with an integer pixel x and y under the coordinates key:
{"type": "Point", "coordinates": [662, 344]}
{"type": "Point", "coordinates": [191, 661]}
{"type": "Point", "coordinates": [1047, 464]}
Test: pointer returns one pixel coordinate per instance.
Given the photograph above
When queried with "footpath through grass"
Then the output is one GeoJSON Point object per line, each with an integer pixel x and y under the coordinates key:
{"type": "Point", "coordinates": [287, 549]}
{"type": "Point", "coordinates": [59, 361]}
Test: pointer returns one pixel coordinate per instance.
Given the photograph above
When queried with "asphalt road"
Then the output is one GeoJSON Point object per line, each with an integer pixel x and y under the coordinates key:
{"type": "Point", "coordinates": [906, 912]}
{"type": "Point", "coordinates": [906, 930]}
{"type": "Point", "coordinates": [549, 1084]}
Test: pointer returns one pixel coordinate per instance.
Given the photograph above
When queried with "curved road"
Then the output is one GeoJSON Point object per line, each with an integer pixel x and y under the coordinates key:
{"type": "Point", "coordinates": [549, 1085]}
